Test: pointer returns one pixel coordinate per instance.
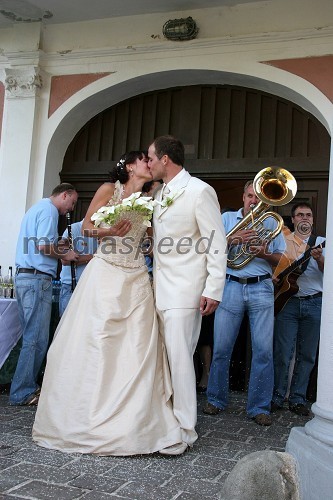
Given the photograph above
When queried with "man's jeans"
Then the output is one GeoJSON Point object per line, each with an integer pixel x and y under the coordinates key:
{"type": "Point", "coordinates": [297, 325]}
{"type": "Point", "coordinates": [258, 301]}
{"type": "Point", "coordinates": [34, 299]}
{"type": "Point", "coordinates": [64, 297]}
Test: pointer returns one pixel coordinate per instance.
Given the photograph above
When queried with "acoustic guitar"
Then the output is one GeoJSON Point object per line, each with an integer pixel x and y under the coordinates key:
{"type": "Point", "coordinates": [287, 285]}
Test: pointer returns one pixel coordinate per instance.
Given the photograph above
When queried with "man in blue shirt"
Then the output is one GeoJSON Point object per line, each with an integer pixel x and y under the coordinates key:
{"type": "Point", "coordinates": [250, 290]}
{"type": "Point", "coordinates": [85, 248]}
{"type": "Point", "coordinates": [297, 325]}
{"type": "Point", "coordinates": [37, 255]}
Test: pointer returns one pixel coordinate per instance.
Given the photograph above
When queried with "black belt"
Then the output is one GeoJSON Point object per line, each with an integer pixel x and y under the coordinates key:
{"type": "Point", "coordinates": [248, 281]}
{"type": "Point", "coordinates": [307, 297]}
{"type": "Point", "coordinates": [31, 271]}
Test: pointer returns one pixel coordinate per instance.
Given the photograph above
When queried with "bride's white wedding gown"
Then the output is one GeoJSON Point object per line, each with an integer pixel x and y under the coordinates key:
{"type": "Point", "coordinates": [106, 388]}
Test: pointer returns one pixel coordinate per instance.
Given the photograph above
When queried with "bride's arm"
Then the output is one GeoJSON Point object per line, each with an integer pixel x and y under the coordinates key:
{"type": "Point", "coordinates": [102, 196]}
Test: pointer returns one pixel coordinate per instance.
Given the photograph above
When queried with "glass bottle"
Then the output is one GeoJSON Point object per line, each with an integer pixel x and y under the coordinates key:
{"type": "Point", "coordinates": [1, 285]}
{"type": "Point", "coordinates": [11, 283]}
{"type": "Point", "coordinates": [8, 284]}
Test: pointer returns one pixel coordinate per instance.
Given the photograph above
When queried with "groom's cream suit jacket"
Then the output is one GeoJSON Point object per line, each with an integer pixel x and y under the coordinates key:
{"type": "Point", "coordinates": [189, 245]}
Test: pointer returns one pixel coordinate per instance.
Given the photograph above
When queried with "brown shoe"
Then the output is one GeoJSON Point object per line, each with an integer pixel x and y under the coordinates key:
{"type": "Point", "coordinates": [262, 419]}
{"type": "Point", "coordinates": [210, 409]}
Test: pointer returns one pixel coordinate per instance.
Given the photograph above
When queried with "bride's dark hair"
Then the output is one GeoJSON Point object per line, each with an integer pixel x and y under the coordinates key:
{"type": "Point", "coordinates": [119, 172]}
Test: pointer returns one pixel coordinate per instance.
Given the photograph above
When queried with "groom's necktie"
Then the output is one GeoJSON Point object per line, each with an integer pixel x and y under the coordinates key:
{"type": "Point", "coordinates": [165, 192]}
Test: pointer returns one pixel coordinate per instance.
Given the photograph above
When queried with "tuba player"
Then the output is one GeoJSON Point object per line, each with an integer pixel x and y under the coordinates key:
{"type": "Point", "coordinates": [247, 289]}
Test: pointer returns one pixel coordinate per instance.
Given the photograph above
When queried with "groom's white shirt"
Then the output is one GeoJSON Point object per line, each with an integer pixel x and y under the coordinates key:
{"type": "Point", "coordinates": [183, 270]}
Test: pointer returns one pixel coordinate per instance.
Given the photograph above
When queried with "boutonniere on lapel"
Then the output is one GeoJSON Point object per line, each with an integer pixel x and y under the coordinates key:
{"type": "Point", "coordinates": [169, 198]}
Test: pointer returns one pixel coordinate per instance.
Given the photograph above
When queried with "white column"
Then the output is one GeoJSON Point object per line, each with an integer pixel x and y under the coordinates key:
{"type": "Point", "coordinates": [16, 169]}
{"type": "Point", "coordinates": [312, 445]}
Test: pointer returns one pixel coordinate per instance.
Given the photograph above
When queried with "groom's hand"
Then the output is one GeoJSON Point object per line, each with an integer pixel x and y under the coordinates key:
{"type": "Point", "coordinates": [208, 306]}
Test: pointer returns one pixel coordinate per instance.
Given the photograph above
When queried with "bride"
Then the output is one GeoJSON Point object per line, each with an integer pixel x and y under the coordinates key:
{"type": "Point", "coordinates": [106, 388]}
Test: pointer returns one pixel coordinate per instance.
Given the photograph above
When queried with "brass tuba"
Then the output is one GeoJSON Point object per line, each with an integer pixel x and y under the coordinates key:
{"type": "Point", "coordinates": [274, 186]}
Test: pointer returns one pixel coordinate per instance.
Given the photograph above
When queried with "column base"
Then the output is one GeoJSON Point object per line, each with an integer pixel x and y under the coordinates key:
{"type": "Point", "coordinates": [314, 463]}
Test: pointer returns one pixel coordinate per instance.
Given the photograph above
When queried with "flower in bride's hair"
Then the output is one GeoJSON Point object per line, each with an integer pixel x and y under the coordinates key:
{"type": "Point", "coordinates": [109, 215]}
{"type": "Point", "coordinates": [121, 163]}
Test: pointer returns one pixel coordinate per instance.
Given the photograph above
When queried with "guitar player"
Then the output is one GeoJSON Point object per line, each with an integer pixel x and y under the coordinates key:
{"type": "Point", "coordinates": [297, 325]}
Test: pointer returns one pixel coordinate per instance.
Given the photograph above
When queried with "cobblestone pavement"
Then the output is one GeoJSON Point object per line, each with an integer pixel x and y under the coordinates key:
{"type": "Point", "coordinates": [28, 471]}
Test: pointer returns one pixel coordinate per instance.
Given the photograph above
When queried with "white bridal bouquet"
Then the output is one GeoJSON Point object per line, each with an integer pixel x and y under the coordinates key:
{"type": "Point", "coordinates": [143, 206]}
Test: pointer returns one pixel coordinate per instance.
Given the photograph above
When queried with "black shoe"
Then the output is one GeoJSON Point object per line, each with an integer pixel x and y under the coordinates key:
{"type": "Point", "coordinates": [299, 409]}
{"type": "Point", "coordinates": [275, 407]}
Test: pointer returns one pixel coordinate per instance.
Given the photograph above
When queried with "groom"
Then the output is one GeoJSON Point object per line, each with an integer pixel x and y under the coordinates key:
{"type": "Point", "coordinates": [189, 271]}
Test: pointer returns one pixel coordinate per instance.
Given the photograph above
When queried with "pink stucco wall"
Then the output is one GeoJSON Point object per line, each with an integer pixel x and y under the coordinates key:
{"type": "Point", "coordinates": [316, 70]}
{"type": "Point", "coordinates": [64, 86]}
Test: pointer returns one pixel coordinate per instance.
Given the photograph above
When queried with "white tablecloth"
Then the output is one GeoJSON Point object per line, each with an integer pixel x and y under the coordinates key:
{"type": "Point", "coordinates": [10, 327]}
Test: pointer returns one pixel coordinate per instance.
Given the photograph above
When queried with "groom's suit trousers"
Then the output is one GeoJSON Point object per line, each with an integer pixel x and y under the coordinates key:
{"type": "Point", "coordinates": [180, 329]}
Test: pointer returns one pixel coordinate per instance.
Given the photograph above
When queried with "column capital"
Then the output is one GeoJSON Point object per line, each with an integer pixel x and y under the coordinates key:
{"type": "Point", "coordinates": [22, 83]}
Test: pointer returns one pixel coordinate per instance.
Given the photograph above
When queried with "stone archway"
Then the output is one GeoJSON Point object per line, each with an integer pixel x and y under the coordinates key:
{"type": "Point", "coordinates": [120, 94]}
{"type": "Point", "coordinates": [62, 127]}
{"type": "Point", "coordinates": [229, 132]}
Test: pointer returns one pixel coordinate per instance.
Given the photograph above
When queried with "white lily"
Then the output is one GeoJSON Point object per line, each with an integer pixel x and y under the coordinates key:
{"type": "Point", "coordinates": [110, 210]}
{"type": "Point", "coordinates": [145, 198]}
{"type": "Point", "coordinates": [128, 201]}
{"type": "Point", "coordinates": [143, 201]}
{"type": "Point", "coordinates": [97, 218]}
{"type": "Point", "coordinates": [102, 209]}
{"type": "Point", "coordinates": [150, 206]}
{"type": "Point", "coordinates": [110, 214]}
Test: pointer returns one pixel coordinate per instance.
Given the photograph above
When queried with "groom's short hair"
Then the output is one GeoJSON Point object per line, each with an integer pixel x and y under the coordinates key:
{"type": "Point", "coordinates": [170, 146]}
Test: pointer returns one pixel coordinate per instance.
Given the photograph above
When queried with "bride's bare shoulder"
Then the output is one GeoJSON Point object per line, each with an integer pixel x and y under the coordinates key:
{"type": "Point", "coordinates": [103, 194]}
{"type": "Point", "coordinates": [107, 187]}
{"type": "Point", "coordinates": [105, 191]}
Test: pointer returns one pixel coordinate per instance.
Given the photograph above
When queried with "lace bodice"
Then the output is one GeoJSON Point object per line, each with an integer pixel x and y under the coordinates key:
{"type": "Point", "coordinates": [124, 251]}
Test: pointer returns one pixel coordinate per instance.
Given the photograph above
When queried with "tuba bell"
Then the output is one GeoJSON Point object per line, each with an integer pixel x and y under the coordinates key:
{"type": "Point", "coordinates": [274, 186]}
